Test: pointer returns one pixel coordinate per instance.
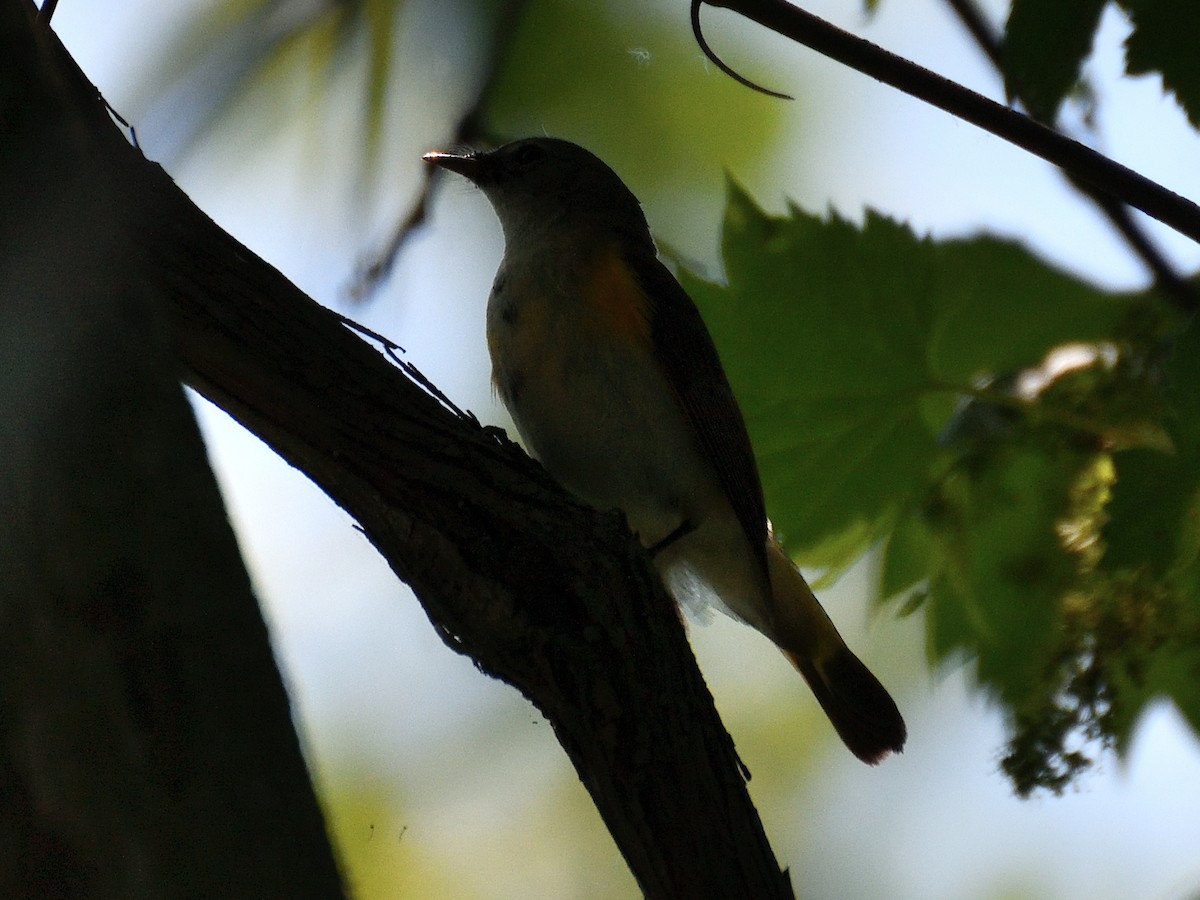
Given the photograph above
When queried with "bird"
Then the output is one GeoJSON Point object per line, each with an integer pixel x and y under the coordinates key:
{"type": "Point", "coordinates": [615, 385]}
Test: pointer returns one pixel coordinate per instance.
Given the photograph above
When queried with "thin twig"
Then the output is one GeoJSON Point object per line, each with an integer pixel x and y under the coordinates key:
{"type": "Point", "coordinates": [372, 272]}
{"type": "Point", "coordinates": [698, 33]}
{"type": "Point", "coordinates": [393, 350]}
{"type": "Point", "coordinates": [1082, 162]}
{"type": "Point", "coordinates": [46, 13]}
{"type": "Point", "coordinates": [1172, 285]}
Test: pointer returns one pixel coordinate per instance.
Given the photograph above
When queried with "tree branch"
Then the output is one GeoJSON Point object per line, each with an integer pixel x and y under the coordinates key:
{"type": "Point", "coordinates": [1172, 285]}
{"type": "Point", "coordinates": [1077, 160]}
{"type": "Point", "coordinates": [542, 592]}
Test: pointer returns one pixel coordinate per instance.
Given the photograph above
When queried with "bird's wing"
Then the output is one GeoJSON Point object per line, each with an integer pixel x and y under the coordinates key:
{"type": "Point", "coordinates": [687, 354]}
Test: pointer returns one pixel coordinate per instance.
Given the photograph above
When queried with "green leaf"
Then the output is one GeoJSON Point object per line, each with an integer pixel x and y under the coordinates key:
{"type": "Point", "coordinates": [1152, 494]}
{"type": "Point", "coordinates": [908, 558]}
{"type": "Point", "coordinates": [1164, 41]}
{"type": "Point", "coordinates": [848, 348]}
{"type": "Point", "coordinates": [1176, 675]}
{"type": "Point", "coordinates": [1001, 309]}
{"type": "Point", "coordinates": [1183, 391]}
{"type": "Point", "coordinates": [1155, 506]}
{"type": "Point", "coordinates": [1004, 571]}
{"type": "Point", "coordinates": [1169, 671]}
{"type": "Point", "coordinates": [380, 20]}
{"type": "Point", "coordinates": [1148, 643]}
{"type": "Point", "coordinates": [1045, 45]}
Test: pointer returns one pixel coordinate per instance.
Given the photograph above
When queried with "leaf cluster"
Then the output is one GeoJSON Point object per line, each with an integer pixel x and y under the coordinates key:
{"type": "Point", "coordinates": [1020, 442]}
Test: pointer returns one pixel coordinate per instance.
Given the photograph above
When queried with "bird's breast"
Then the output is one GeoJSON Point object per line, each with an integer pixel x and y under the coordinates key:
{"type": "Point", "coordinates": [563, 325]}
{"type": "Point", "coordinates": [573, 362]}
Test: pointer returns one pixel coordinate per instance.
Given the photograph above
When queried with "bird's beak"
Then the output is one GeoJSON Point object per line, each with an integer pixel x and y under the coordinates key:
{"type": "Point", "coordinates": [469, 165]}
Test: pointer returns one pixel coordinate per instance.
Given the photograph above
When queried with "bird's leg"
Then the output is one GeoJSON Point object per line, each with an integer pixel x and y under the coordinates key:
{"type": "Point", "coordinates": [683, 529]}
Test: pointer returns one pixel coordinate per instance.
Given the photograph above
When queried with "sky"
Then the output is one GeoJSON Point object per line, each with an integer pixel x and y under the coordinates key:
{"type": "Point", "coordinates": [476, 784]}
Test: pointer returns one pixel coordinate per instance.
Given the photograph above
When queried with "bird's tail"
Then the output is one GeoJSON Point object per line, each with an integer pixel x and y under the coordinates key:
{"type": "Point", "coordinates": [860, 708]}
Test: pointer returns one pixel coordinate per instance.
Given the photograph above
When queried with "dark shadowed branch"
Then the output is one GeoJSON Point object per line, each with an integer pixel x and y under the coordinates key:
{"type": "Point", "coordinates": [1077, 160]}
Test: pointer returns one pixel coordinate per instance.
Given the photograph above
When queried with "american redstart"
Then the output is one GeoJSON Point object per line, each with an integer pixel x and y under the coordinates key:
{"type": "Point", "coordinates": [615, 385]}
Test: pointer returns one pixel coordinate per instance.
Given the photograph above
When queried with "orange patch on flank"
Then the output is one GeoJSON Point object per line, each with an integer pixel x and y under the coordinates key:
{"type": "Point", "coordinates": [617, 299]}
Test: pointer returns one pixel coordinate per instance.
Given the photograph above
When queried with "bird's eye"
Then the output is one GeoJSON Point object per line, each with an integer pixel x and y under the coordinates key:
{"type": "Point", "coordinates": [528, 155]}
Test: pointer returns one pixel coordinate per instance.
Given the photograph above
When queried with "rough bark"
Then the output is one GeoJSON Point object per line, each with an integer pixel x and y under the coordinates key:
{"type": "Point", "coordinates": [146, 743]}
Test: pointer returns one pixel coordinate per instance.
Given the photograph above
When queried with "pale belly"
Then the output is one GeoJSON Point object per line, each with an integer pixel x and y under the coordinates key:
{"type": "Point", "coordinates": [602, 420]}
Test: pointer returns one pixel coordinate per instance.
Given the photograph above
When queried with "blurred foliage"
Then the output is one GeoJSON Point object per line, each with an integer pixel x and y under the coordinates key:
{"type": "Point", "coordinates": [1018, 438]}
{"type": "Point", "coordinates": [619, 75]}
{"type": "Point", "coordinates": [1045, 45]}
{"type": "Point", "coordinates": [235, 45]}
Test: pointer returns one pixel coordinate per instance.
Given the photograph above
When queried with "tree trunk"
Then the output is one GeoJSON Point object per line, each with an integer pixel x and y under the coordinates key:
{"type": "Point", "coordinates": [146, 742]}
